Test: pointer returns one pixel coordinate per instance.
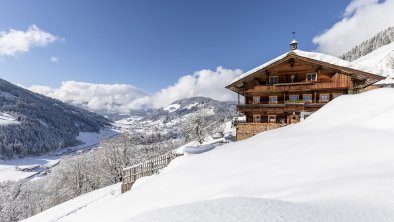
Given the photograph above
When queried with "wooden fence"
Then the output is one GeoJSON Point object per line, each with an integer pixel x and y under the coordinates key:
{"type": "Point", "coordinates": [147, 168]}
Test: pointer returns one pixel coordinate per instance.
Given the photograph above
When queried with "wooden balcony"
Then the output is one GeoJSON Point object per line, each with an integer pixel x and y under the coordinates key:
{"type": "Point", "coordinates": [300, 86]}
{"type": "Point", "coordinates": [281, 107]}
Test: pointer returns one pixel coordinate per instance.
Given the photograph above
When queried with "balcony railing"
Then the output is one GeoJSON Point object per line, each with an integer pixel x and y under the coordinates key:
{"type": "Point", "coordinates": [283, 106]}
{"type": "Point", "coordinates": [301, 86]}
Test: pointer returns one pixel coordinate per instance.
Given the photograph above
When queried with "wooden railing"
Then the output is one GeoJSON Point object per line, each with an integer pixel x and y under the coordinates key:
{"type": "Point", "coordinates": [301, 86]}
{"type": "Point", "coordinates": [147, 168]}
{"type": "Point", "coordinates": [280, 106]}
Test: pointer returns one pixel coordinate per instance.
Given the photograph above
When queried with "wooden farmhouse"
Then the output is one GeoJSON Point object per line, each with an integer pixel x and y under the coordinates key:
{"type": "Point", "coordinates": [292, 86]}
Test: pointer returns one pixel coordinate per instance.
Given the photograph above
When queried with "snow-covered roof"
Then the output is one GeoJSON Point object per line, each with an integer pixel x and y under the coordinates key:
{"type": "Point", "coordinates": [315, 56]}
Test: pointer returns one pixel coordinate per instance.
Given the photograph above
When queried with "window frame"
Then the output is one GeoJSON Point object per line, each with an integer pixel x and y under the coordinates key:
{"type": "Point", "coordinates": [311, 73]}
{"type": "Point", "coordinates": [298, 97]}
{"type": "Point", "coordinates": [254, 118]}
{"type": "Point", "coordinates": [255, 97]}
{"type": "Point", "coordinates": [270, 102]}
{"type": "Point", "coordinates": [277, 79]}
{"type": "Point", "coordinates": [324, 94]}
{"type": "Point", "coordinates": [269, 119]}
{"type": "Point", "coordinates": [310, 100]}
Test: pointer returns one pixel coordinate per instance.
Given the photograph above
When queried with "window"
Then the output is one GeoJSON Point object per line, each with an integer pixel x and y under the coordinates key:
{"type": "Point", "coordinates": [271, 118]}
{"type": "Point", "coordinates": [293, 98]}
{"type": "Point", "coordinates": [256, 118]}
{"type": "Point", "coordinates": [324, 97]}
{"type": "Point", "coordinates": [256, 99]}
{"type": "Point", "coordinates": [311, 77]}
{"type": "Point", "coordinates": [273, 99]}
{"type": "Point", "coordinates": [307, 98]}
{"type": "Point", "coordinates": [274, 79]}
{"type": "Point", "coordinates": [335, 95]}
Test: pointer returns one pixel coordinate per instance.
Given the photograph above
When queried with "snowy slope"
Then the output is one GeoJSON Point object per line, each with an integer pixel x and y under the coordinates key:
{"type": "Point", "coordinates": [6, 119]}
{"type": "Point", "coordinates": [382, 59]}
{"type": "Point", "coordinates": [44, 124]}
{"type": "Point", "coordinates": [337, 165]}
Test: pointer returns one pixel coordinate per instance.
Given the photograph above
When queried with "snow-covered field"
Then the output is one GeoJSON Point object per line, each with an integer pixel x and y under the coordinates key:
{"type": "Point", "coordinates": [15, 169]}
{"type": "Point", "coordinates": [337, 165]}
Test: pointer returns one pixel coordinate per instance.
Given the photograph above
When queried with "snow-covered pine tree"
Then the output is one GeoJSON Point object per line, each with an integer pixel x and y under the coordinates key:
{"type": "Point", "coordinates": [382, 38]}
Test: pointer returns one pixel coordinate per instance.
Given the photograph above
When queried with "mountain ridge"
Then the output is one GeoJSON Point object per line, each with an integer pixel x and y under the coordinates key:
{"type": "Point", "coordinates": [44, 124]}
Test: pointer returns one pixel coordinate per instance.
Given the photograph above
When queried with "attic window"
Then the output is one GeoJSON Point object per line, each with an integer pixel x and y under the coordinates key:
{"type": "Point", "coordinates": [311, 77]}
{"type": "Point", "coordinates": [274, 80]}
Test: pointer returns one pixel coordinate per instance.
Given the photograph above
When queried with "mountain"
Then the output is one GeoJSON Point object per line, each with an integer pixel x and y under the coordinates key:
{"type": "Point", "coordinates": [32, 124]}
{"type": "Point", "coordinates": [167, 122]}
{"type": "Point", "coordinates": [383, 38]}
{"type": "Point", "coordinates": [381, 59]}
{"type": "Point", "coordinates": [334, 166]}
{"type": "Point", "coordinates": [377, 53]}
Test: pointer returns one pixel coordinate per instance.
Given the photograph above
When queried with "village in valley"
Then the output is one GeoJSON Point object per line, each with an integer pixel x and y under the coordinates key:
{"type": "Point", "coordinates": [303, 132]}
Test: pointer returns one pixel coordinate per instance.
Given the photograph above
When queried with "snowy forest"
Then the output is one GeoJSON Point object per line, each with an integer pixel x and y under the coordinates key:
{"type": "Point", "coordinates": [382, 38]}
{"type": "Point", "coordinates": [76, 175]}
{"type": "Point", "coordinates": [44, 124]}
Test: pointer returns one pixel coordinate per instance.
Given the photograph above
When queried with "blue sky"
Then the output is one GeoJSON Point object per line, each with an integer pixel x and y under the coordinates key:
{"type": "Point", "coordinates": [150, 44]}
{"type": "Point", "coordinates": [121, 55]}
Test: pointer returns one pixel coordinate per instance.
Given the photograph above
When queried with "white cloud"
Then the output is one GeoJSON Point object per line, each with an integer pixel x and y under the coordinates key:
{"type": "Point", "coordinates": [206, 83]}
{"type": "Point", "coordinates": [54, 59]}
{"type": "Point", "coordinates": [14, 41]}
{"type": "Point", "coordinates": [103, 97]}
{"type": "Point", "coordinates": [121, 98]}
{"type": "Point", "coordinates": [361, 20]}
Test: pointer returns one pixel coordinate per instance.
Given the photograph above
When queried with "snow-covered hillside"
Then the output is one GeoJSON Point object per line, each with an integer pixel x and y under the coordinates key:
{"type": "Point", "coordinates": [375, 53]}
{"type": "Point", "coordinates": [37, 166]}
{"type": "Point", "coordinates": [382, 59]}
{"type": "Point", "coordinates": [6, 119]}
{"type": "Point", "coordinates": [168, 120]}
{"type": "Point", "coordinates": [32, 124]}
{"type": "Point", "coordinates": [337, 165]}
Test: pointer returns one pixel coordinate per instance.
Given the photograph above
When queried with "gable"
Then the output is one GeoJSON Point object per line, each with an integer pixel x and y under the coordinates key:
{"type": "Point", "coordinates": [292, 63]}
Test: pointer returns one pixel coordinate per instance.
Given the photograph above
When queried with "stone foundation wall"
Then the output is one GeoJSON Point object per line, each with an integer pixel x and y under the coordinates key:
{"type": "Point", "coordinates": [247, 130]}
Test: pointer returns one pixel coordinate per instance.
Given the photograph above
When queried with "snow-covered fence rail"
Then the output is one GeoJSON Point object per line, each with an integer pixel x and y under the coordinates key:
{"type": "Point", "coordinates": [147, 168]}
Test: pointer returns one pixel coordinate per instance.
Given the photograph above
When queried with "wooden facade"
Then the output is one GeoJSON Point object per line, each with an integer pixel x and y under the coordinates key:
{"type": "Point", "coordinates": [291, 88]}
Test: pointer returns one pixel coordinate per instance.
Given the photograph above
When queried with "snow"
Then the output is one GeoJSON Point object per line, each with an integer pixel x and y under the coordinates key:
{"type": "Point", "coordinates": [383, 60]}
{"type": "Point", "coordinates": [89, 199]}
{"type": "Point", "coordinates": [319, 57]}
{"type": "Point", "coordinates": [190, 106]}
{"type": "Point", "coordinates": [337, 165]}
{"type": "Point", "coordinates": [13, 169]}
{"type": "Point", "coordinates": [6, 119]}
{"type": "Point", "coordinates": [172, 108]}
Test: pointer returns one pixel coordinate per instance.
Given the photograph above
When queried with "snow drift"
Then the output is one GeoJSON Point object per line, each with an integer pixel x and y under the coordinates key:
{"type": "Point", "coordinates": [335, 166]}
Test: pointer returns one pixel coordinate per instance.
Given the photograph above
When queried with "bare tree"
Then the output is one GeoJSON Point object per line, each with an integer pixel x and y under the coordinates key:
{"type": "Point", "coordinates": [198, 127]}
